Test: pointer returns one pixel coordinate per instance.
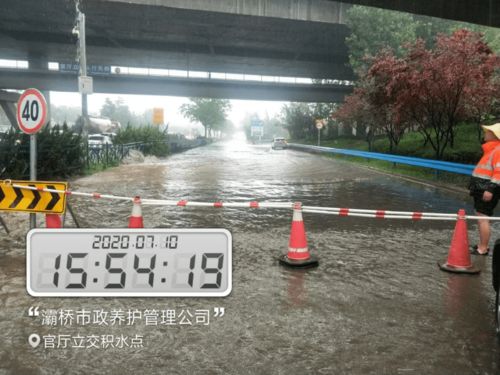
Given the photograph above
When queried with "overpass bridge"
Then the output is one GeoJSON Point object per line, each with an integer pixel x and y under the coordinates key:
{"type": "Point", "coordinates": [294, 38]}
{"type": "Point", "coordinates": [142, 84]}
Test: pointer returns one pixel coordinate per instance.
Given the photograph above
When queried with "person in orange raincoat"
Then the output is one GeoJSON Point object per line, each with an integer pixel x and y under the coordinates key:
{"type": "Point", "coordinates": [484, 186]}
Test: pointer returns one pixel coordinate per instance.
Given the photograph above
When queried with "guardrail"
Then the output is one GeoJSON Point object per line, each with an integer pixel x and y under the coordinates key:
{"type": "Point", "coordinates": [459, 168]}
{"type": "Point", "coordinates": [178, 144]}
{"type": "Point", "coordinates": [108, 154]}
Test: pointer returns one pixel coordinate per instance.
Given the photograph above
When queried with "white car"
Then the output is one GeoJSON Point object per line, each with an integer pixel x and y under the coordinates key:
{"type": "Point", "coordinates": [99, 140]}
{"type": "Point", "coordinates": [279, 143]}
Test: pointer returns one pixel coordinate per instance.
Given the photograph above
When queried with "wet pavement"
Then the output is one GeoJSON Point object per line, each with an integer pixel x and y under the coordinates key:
{"type": "Point", "coordinates": [377, 304]}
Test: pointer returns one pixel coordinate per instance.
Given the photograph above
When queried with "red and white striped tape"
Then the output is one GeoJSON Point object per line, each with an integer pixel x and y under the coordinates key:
{"type": "Point", "coordinates": [380, 214]}
{"type": "Point", "coordinates": [355, 212]}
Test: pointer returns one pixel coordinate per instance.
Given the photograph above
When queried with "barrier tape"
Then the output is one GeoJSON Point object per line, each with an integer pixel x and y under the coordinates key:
{"type": "Point", "coordinates": [381, 215]}
{"type": "Point", "coordinates": [356, 212]}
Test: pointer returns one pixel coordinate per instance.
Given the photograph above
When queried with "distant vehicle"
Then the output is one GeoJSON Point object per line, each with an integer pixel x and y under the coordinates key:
{"type": "Point", "coordinates": [279, 143]}
{"type": "Point", "coordinates": [97, 141]}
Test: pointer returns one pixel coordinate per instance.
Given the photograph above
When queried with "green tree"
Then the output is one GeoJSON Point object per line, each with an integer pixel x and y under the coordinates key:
{"type": "Point", "coordinates": [427, 28]}
{"type": "Point", "coordinates": [156, 140]}
{"type": "Point", "coordinates": [211, 113]}
{"type": "Point", "coordinates": [63, 113]}
{"type": "Point", "coordinates": [118, 111]}
{"type": "Point", "coordinates": [298, 119]}
{"type": "Point", "coordinates": [325, 111]}
{"type": "Point", "coordinates": [373, 30]}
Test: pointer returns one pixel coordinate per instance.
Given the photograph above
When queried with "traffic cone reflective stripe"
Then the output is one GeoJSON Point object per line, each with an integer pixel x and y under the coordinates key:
{"type": "Point", "coordinates": [135, 220]}
{"type": "Point", "coordinates": [297, 245]}
{"type": "Point", "coordinates": [459, 260]}
{"type": "Point", "coordinates": [53, 221]}
{"type": "Point", "coordinates": [298, 252]}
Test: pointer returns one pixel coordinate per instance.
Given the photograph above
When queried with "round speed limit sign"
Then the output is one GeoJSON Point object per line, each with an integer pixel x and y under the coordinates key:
{"type": "Point", "coordinates": [31, 111]}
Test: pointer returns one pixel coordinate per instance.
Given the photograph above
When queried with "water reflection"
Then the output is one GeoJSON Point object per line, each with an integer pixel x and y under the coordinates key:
{"type": "Point", "coordinates": [297, 293]}
{"type": "Point", "coordinates": [376, 304]}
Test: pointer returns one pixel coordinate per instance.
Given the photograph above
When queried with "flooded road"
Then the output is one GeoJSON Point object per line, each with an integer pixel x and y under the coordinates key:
{"type": "Point", "coordinates": [377, 304]}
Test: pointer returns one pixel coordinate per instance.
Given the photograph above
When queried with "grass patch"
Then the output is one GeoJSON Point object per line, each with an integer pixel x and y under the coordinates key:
{"type": "Point", "coordinates": [426, 174]}
{"type": "Point", "coordinates": [467, 150]}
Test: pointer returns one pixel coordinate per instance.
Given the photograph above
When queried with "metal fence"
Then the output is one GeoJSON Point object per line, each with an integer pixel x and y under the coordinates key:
{"type": "Point", "coordinates": [109, 154]}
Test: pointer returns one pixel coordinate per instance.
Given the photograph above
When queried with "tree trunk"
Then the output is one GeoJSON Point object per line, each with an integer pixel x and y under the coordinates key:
{"type": "Point", "coordinates": [426, 138]}
{"type": "Point", "coordinates": [452, 137]}
{"type": "Point", "coordinates": [360, 131]}
{"type": "Point", "coordinates": [479, 132]}
{"type": "Point", "coordinates": [369, 139]}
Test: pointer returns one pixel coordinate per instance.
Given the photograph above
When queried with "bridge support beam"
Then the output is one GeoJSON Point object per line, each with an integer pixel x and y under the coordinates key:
{"type": "Point", "coordinates": [184, 87]}
{"type": "Point", "coordinates": [7, 102]}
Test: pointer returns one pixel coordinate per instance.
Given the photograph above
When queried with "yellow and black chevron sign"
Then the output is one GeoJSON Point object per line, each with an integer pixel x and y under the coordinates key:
{"type": "Point", "coordinates": [25, 200]}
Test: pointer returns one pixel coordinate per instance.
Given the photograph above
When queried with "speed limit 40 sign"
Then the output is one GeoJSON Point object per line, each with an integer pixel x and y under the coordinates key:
{"type": "Point", "coordinates": [31, 111]}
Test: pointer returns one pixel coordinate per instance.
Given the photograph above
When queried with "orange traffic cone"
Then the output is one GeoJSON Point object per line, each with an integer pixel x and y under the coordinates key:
{"type": "Point", "coordinates": [53, 221]}
{"type": "Point", "coordinates": [459, 257]}
{"type": "Point", "coordinates": [298, 253]}
{"type": "Point", "coordinates": [135, 220]}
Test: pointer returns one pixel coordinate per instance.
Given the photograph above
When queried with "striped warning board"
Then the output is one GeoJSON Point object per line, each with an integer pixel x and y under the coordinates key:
{"type": "Point", "coordinates": [19, 199]}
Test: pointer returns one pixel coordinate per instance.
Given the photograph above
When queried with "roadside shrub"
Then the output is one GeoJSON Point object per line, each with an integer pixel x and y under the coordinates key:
{"type": "Point", "coordinates": [60, 153]}
{"type": "Point", "coordinates": [157, 140]}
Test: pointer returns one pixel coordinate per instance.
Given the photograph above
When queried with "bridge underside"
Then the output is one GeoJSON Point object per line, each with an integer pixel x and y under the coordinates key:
{"type": "Point", "coordinates": [170, 86]}
{"type": "Point", "coordinates": [156, 36]}
{"type": "Point", "coordinates": [189, 35]}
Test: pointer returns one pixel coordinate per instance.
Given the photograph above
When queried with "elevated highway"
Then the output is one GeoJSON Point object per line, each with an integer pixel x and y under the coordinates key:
{"type": "Point", "coordinates": [293, 38]}
{"type": "Point", "coordinates": [297, 38]}
{"type": "Point", "coordinates": [175, 86]}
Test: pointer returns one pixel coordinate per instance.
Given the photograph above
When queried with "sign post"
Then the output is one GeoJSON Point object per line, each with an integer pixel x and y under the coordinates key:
{"type": "Point", "coordinates": [32, 115]}
{"type": "Point", "coordinates": [33, 172]}
{"type": "Point", "coordinates": [257, 128]}
{"type": "Point", "coordinates": [319, 126]}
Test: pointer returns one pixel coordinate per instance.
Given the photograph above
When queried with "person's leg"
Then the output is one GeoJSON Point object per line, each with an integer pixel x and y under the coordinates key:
{"type": "Point", "coordinates": [484, 234]}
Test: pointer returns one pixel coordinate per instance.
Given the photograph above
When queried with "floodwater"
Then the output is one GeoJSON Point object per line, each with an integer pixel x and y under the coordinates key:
{"type": "Point", "coordinates": [377, 303]}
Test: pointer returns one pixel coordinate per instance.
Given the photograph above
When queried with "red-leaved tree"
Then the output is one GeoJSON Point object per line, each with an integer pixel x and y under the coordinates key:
{"type": "Point", "coordinates": [437, 89]}
{"type": "Point", "coordinates": [430, 89]}
{"type": "Point", "coordinates": [371, 104]}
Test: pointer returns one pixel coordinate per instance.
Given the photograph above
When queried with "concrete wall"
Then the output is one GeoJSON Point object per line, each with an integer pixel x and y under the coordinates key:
{"type": "Point", "coordinates": [305, 10]}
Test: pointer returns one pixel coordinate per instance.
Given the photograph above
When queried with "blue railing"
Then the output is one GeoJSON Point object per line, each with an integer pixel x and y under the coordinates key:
{"type": "Point", "coordinates": [418, 162]}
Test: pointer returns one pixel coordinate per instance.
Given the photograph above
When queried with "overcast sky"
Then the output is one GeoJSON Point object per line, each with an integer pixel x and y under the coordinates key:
{"type": "Point", "coordinates": [170, 105]}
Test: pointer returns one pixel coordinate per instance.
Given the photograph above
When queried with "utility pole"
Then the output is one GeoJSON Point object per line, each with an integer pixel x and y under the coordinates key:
{"type": "Point", "coordinates": [84, 82]}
